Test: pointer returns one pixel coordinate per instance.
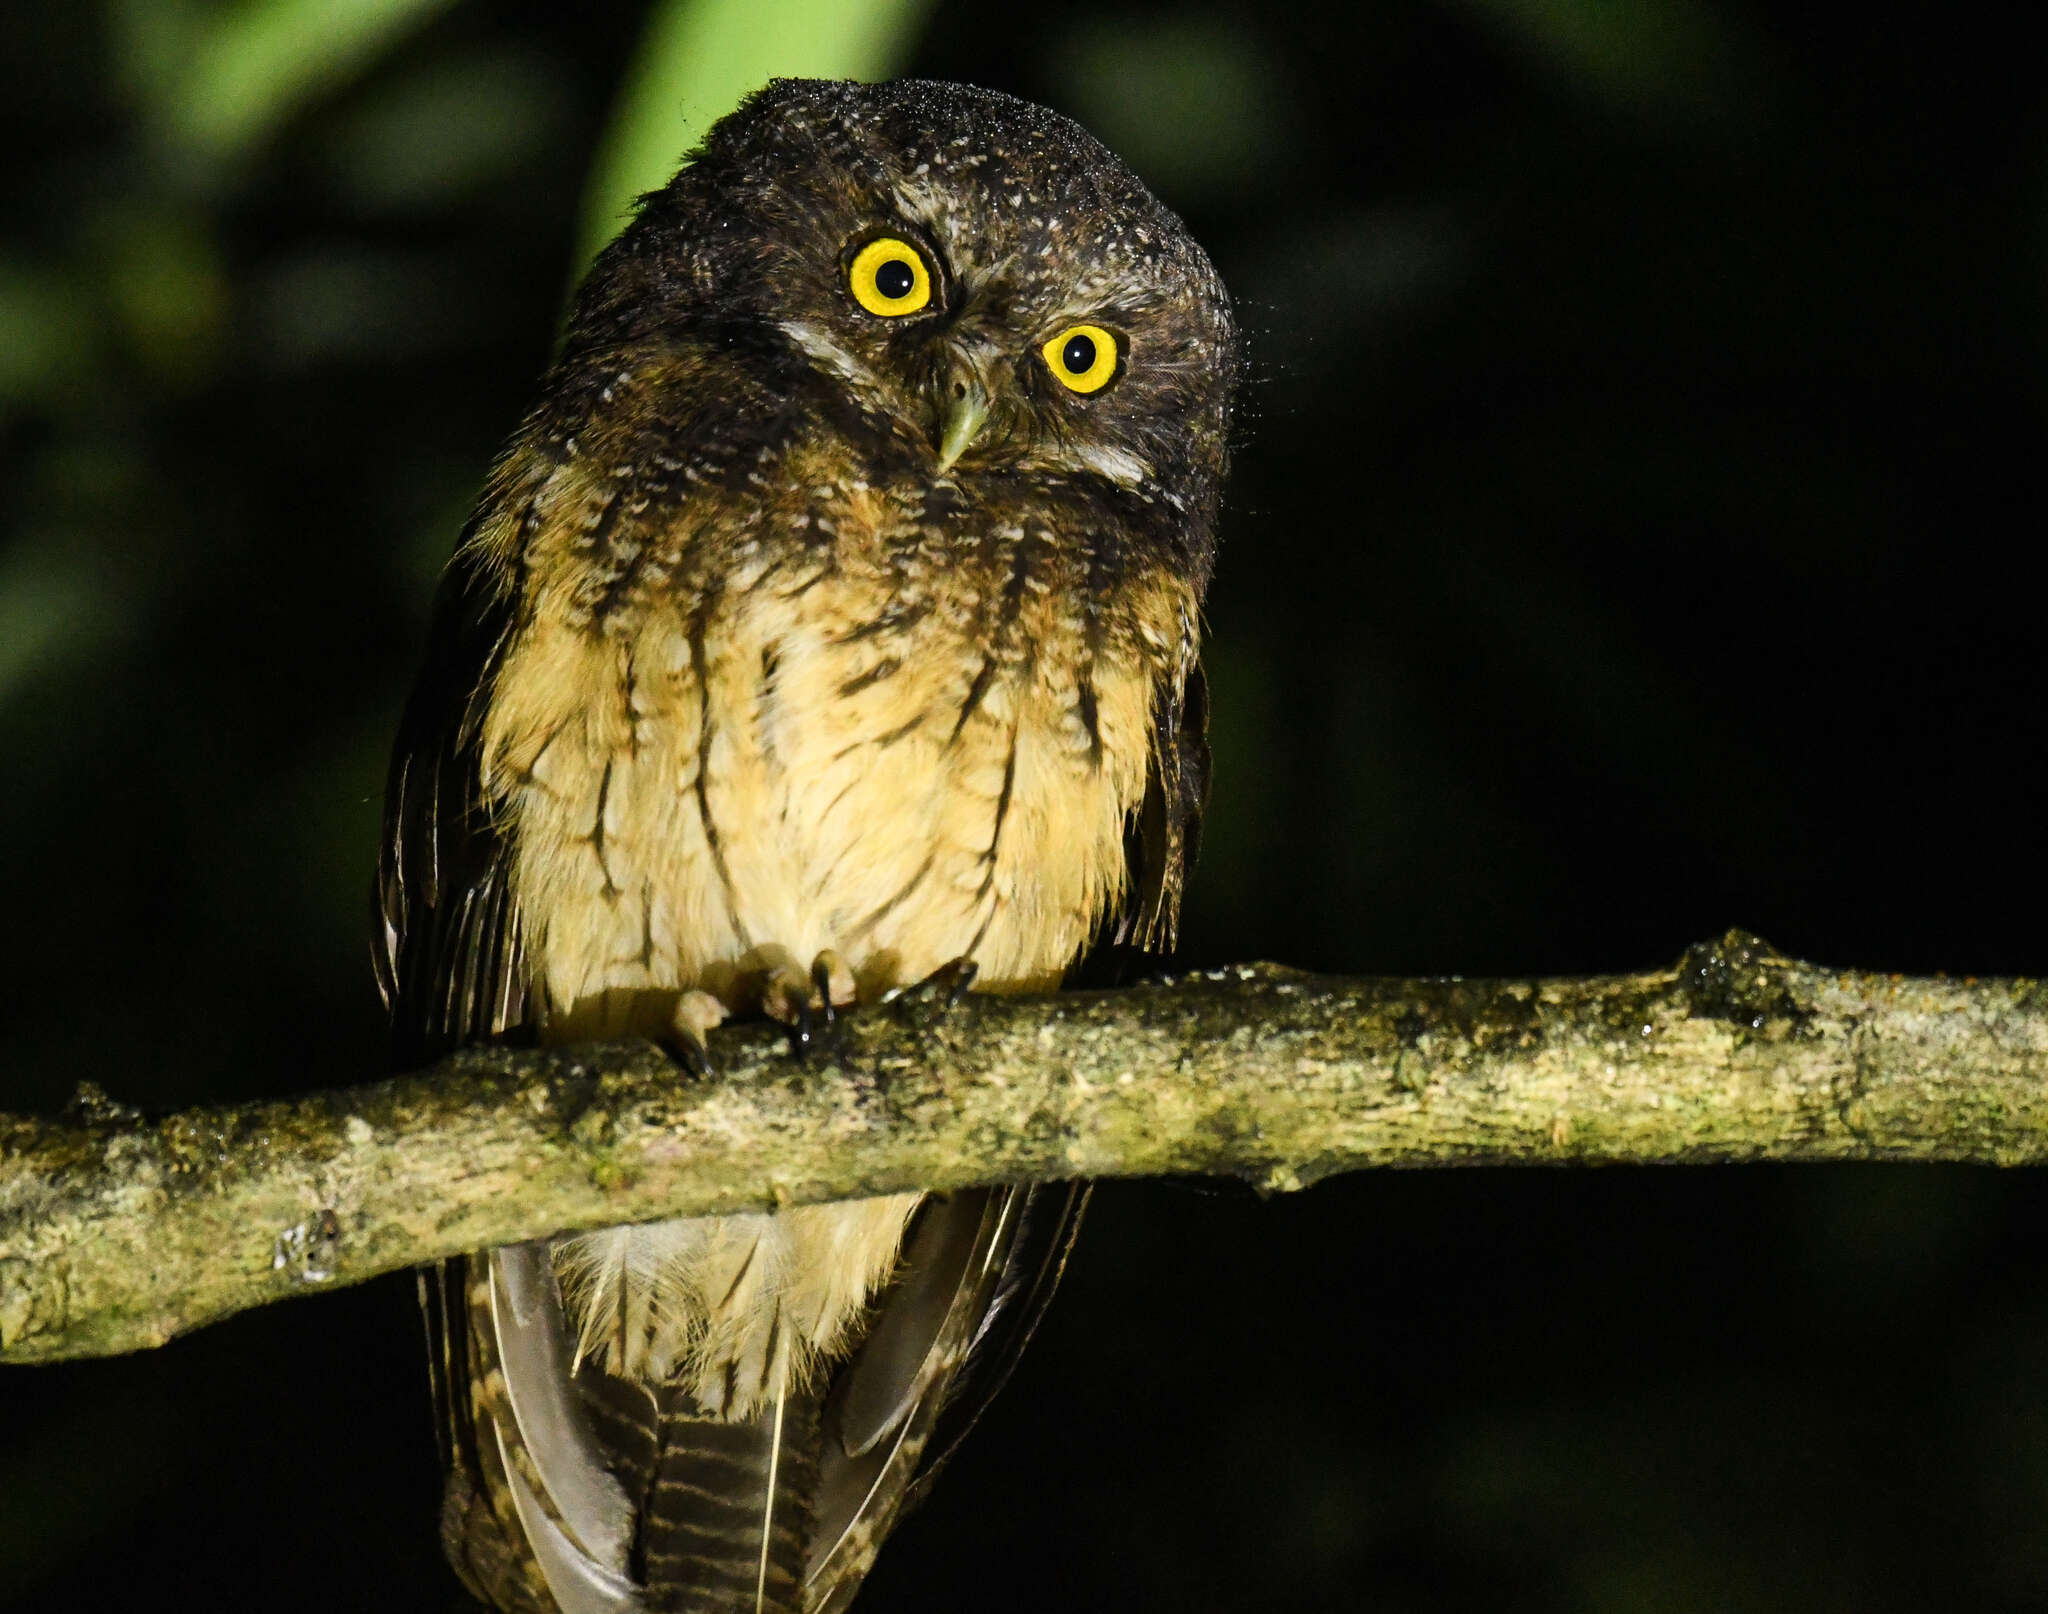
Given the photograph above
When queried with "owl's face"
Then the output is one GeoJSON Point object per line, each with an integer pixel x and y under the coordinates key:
{"type": "Point", "coordinates": [979, 278]}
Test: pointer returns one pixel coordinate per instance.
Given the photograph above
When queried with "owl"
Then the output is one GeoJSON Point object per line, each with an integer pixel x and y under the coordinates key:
{"type": "Point", "coordinates": [829, 625]}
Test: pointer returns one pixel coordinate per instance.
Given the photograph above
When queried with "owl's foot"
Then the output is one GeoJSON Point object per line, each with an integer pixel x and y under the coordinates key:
{"type": "Point", "coordinates": [937, 995]}
{"type": "Point", "coordinates": [810, 1009]}
{"type": "Point", "coordinates": [696, 1013]}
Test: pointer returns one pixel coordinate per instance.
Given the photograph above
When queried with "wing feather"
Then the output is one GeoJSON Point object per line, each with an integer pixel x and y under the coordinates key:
{"type": "Point", "coordinates": [449, 958]}
{"type": "Point", "coordinates": [1165, 836]}
{"type": "Point", "coordinates": [450, 965]}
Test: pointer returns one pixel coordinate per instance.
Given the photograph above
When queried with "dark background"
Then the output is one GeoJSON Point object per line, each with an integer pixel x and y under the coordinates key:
{"type": "Point", "coordinates": [1635, 532]}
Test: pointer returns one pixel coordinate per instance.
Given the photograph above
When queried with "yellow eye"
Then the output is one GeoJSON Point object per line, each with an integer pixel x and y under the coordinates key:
{"type": "Point", "coordinates": [1083, 357]}
{"type": "Point", "coordinates": [888, 277]}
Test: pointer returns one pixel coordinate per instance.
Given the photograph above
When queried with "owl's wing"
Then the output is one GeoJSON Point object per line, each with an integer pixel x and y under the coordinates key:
{"type": "Point", "coordinates": [449, 963]}
{"type": "Point", "coordinates": [1048, 1218]}
{"type": "Point", "coordinates": [447, 946]}
{"type": "Point", "coordinates": [1160, 846]}
{"type": "Point", "coordinates": [976, 1271]}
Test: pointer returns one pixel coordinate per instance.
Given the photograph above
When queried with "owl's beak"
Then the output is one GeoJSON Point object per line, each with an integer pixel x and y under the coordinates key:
{"type": "Point", "coordinates": [961, 415]}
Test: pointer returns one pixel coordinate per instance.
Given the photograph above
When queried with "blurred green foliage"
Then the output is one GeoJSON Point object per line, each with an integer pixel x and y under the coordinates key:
{"type": "Point", "coordinates": [219, 79]}
{"type": "Point", "coordinates": [1195, 101]}
{"type": "Point", "coordinates": [1662, 60]}
{"type": "Point", "coordinates": [1646, 401]}
{"type": "Point", "coordinates": [698, 57]}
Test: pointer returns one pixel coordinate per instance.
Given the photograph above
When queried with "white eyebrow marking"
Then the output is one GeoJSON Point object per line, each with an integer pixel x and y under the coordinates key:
{"type": "Point", "coordinates": [814, 341]}
{"type": "Point", "coordinates": [1123, 468]}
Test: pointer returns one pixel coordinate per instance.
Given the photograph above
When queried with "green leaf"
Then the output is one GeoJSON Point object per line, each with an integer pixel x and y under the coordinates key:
{"type": "Point", "coordinates": [223, 81]}
{"type": "Point", "coordinates": [700, 56]}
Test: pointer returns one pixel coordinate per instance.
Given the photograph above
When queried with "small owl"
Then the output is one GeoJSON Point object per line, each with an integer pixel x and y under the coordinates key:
{"type": "Point", "coordinates": [829, 624]}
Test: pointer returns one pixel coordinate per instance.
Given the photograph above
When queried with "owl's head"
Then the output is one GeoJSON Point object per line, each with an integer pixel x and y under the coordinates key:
{"type": "Point", "coordinates": [988, 286]}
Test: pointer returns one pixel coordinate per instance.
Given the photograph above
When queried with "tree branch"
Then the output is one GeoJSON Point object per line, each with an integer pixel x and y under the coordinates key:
{"type": "Point", "coordinates": [119, 1232]}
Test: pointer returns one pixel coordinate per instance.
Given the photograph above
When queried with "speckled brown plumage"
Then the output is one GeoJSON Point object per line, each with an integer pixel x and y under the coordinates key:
{"type": "Point", "coordinates": [738, 667]}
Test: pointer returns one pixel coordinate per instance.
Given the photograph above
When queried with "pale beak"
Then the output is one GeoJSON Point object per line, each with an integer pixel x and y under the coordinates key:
{"type": "Point", "coordinates": [961, 419]}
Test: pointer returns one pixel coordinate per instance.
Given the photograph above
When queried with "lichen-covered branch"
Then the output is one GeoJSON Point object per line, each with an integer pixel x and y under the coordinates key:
{"type": "Point", "coordinates": [118, 1232]}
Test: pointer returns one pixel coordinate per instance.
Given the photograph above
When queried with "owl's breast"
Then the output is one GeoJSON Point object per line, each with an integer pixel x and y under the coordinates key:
{"type": "Point", "coordinates": [731, 731]}
{"type": "Point", "coordinates": [888, 759]}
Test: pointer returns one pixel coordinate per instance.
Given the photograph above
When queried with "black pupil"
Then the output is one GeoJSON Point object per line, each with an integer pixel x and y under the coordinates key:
{"type": "Point", "coordinates": [895, 279]}
{"type": "Point", "coordinates": [1079, 354]}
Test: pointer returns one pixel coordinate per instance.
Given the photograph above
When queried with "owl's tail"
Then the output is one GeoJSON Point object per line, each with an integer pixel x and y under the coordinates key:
{"type": "Point", "coordinates": [725, 1518]}
{"type": "Point", "coordinates": [577, 1491]}
{"type": "Point", "coordinates": [775, 1435]}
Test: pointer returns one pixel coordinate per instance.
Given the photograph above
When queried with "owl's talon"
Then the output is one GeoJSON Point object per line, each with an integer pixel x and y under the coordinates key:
{"type": "Point", "coordinates": [810, 1009]}
{"type": "Point", "coordinates": [803, 1029]}
{"type": "Point", "coordinates": [938, 994]}
{"type": "Point", "coordinates": [686, 1043]}
{"type": "Point", "coordinates": [955, 980]}
{"type": "Point", "coordinates": [821, 980]}
{"type": "Point", "coordinates": [834, 985]}
{"type": "Point", "coordinates": [694, 1057]}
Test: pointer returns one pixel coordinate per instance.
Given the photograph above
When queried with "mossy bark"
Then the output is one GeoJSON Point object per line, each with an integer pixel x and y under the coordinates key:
{"type": "Point", "coordinates": [119, 1231]}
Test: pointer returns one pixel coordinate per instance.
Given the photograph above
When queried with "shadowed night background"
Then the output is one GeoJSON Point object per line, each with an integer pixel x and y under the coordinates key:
{"type": "Point", "coordinates": [1635, 531]}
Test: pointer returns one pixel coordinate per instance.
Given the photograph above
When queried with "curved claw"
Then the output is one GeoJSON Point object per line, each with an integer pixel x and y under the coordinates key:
{"type": "Point", "coordinates": [809, 1008]}
{"type": "Point", "coordinates": [821, 982]}
{"type": "Point", "coordinates": [694, 1057]}
{"type": "Point", "coordinates": [696, 1013]}
{"type": "Point", "coordinates": [939, 993]}
{"type": "Point", "coordinates": [803, 1028]}
{"type": "Point", "coordinates": [958, 978]}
